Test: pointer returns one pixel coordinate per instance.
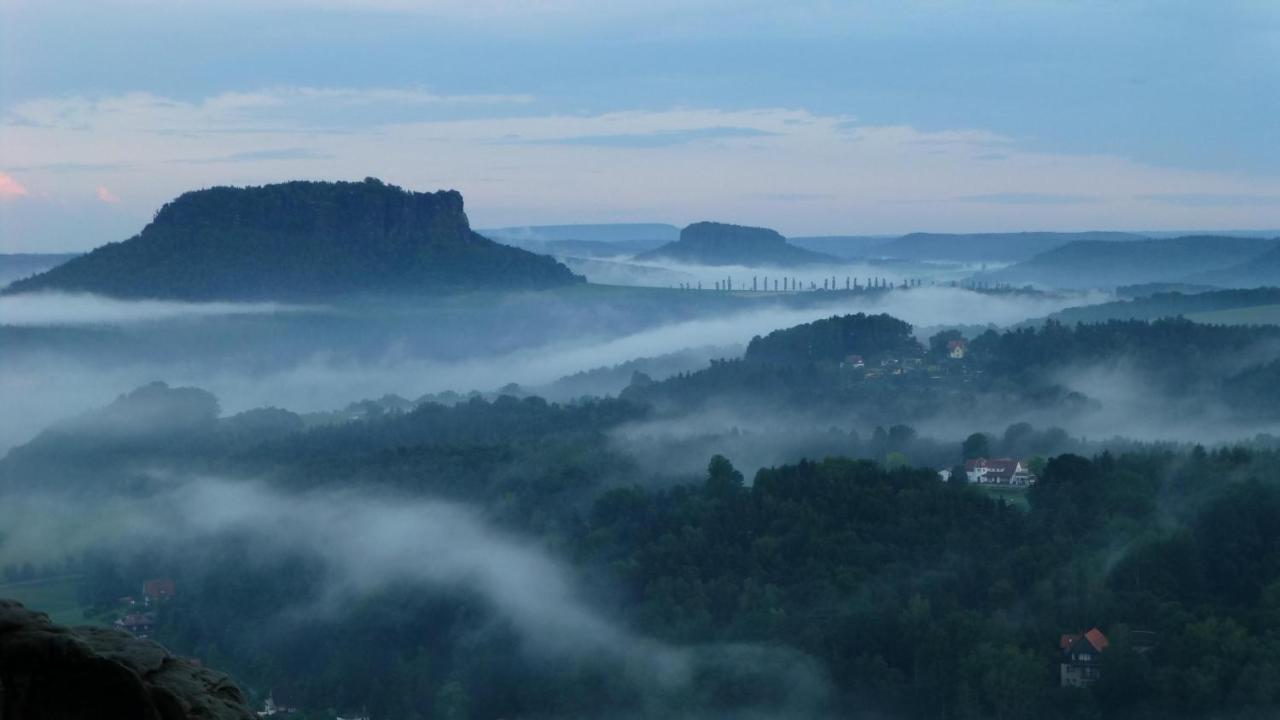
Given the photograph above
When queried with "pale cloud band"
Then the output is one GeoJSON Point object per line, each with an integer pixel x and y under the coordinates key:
{"type": "Point", "coordinates": [677, 164]}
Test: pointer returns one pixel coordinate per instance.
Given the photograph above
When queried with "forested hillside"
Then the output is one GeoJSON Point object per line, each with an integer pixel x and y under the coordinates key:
{"type": "Point", "coordinates": [1099, 264]}
{"type": "Point", "coordinates": [845, 581]}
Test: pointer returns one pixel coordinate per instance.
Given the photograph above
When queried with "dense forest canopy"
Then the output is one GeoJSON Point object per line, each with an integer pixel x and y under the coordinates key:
{"type": "Point", "coordinates": [839, 575]}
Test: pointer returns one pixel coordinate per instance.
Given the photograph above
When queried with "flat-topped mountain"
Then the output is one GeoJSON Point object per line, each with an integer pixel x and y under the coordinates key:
{"type": "Point", "coordinates": [712, 243]}
{"type": "Point", "coordinates": [303, 240]}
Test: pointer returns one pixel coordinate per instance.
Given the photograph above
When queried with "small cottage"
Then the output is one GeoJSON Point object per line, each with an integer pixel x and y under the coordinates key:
{"type": "Point", "coordinates": [1081, 658]}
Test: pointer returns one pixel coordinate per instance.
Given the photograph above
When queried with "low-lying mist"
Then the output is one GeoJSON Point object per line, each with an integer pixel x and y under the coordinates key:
{"type": "Point", "coordinates": [46, 309]}
{"type": "Point", "coordinates": [54, 382]}
{"type": "Point", "coordinates": [367, 543]}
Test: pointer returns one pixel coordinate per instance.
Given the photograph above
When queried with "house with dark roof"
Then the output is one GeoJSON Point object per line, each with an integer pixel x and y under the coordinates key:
{"type": "Point", "coordinates": [998, 471]}
{"type": "Point", "coordinates": [1081, 658]}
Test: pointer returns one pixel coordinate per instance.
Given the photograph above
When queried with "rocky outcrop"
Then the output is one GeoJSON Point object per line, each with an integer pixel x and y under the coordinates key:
{"type": "Point", "coordinates": [711, 243]}
{"type": "Point", "coordinates": [303, 240]}
{"type": "Point", "coordinates": [48, 672]}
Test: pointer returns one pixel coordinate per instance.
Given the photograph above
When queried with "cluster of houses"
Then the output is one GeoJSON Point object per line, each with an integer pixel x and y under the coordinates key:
{"type": "Point", "coordinates": [887, 366]}
{"type": "Point", "coordinates": [956, 350]}
{"type": "Point", "coordinates": [994, 471]}
{"type": "Point", "coordinates": [140, 616]}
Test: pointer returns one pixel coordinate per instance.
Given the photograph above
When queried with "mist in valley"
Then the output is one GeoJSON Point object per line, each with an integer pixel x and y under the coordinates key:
{"type": "Point", "coordinates": [315, 369]}
{"type": "Point", "coordinates": [470, 361]}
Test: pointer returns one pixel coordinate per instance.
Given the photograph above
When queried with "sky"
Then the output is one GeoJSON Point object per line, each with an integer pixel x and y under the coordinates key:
{"type": "Point", "coordinates": [809, 117]}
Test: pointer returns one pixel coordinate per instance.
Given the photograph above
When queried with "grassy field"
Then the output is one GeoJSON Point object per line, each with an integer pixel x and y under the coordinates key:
{"type": "Point", "coordinates": [1256, 315]}
{"type": "Point", "coordinates": [55, 596]}
{"type": "Point", "coordinates": [1015, 496]}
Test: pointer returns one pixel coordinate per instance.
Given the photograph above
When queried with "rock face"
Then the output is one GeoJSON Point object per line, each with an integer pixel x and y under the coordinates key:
{"type": "Point", "coordinates": [303, 240]}
{"type": "Point", "coordinates": [711, 243]}
{"type": "Point", "coordinates": [49, 672]}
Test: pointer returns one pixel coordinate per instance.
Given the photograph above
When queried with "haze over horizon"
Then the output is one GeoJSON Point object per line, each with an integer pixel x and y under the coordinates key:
{"type": "Point", "coordinates": [811, 118]}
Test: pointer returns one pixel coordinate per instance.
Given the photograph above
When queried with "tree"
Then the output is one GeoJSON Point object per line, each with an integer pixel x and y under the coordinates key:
{"type": "Point", "coordinates": [939, 342]}
{"type": "Point", "coordinates": [895, 460]}
{"type": "Point", "coordinates": [722, 479]}
{"type": "Point", "coordinates": [975, 446]}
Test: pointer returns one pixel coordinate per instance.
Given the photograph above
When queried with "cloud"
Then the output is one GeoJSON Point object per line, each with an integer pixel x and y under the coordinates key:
{"type": "Point", "coordinates": [1211, 199]}
{"type": "Point", "coordinates": [661, 138]}
{"type": "Point", "coordinates": [73, 167]}
{"type": "Point", "coordinates": [70, 309]}
{"type": "Point", "coordinates": [265, 109]}
{"type": "Point", "coordinates": [262, 155]}
{"type": "Point", "coordinates": [1027, 198]}
{"type": "Point", "coordinates": [750, 164]}
{"type": "Point", "coordinates": [10, 188]}
{"type": "Point", "coordinates": [106, 195]}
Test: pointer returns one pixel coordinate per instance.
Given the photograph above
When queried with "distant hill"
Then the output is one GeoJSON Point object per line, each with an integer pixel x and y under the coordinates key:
{"type": "Point", "coordinates": [584, 248]}
{"type": "Point", "coordinates": [835, 338]}
{"type": "Point", "coordinates": [988, 247]}
{"type": "Point", "coordinates": [586, 241]}
{"type": "Point", "coordinates": [15, 266]}
{"type": "Point", "coordinates": [1260, 271]}
{"type": "Point", "coordinates": [712, 243]}
{"type": "Point", "coordinates": [1168, 304]}
{"type": "Point", "coordinates": [1095, 264]}
{"type": "Point", "coordinates": [303, 240]}
{"type": "Point", "coordinates": [656, 233]}
{"type": "Point", "coordinates": [843, 246]}
{"type": "Point", "coordinates": [1142, 290]}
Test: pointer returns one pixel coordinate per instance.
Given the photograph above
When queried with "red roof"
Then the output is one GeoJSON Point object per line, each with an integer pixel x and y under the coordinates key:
{"type": "Point", "coordinates": [1094, 637]}
{"type": "Point", "coordinates": [1097, 639]}
{"type": "Point", "coordinates": [953, 344]}
{"type": "Point", "coordinates": [158, 588]}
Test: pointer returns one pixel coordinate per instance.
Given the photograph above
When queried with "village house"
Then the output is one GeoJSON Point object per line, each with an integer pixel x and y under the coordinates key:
{"type": "Point", "coordinates": [998, 471]}
{"type": "Point", "coordinates": [956, 349]}
{"type": "Point", "coordinates": [1081, 658]}
{"type": "Point", "coordinates": [158, 590]}
{"type": "Point", "coordinates": [139, 624]}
